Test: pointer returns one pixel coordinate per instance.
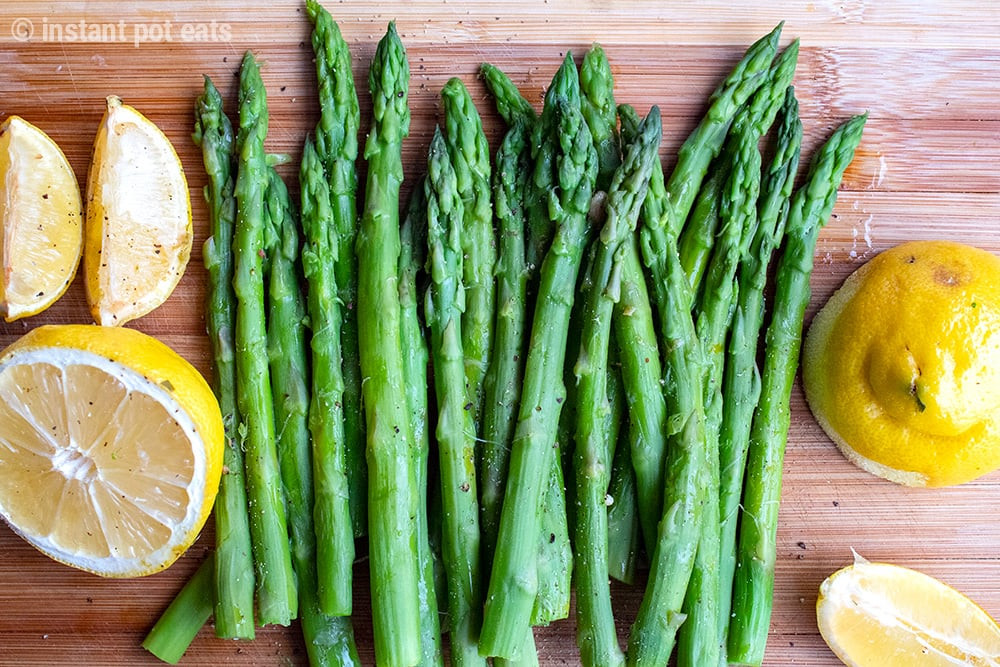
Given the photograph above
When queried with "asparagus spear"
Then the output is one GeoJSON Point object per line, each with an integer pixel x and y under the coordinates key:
{"type": "Point", "coordinates": [596, 634]}
{"type": "Point", "coordinates": [513, 583]}
{"type": "Point", "coordinates": [337, 146]}
{"type": "Point", "coordinates": [624, 534]}
{"type": "Point", "coordinates": [503, 378]}
{"type": "Point", "coordinates": [276, 595]}
{"type": "Point", "coordinates": [179, 624]}
{"type": "Point", "coordinates": [333, 529]}
{"type": "Point", "coordinates": [233, 580]}
{"type": "Point", "coordinates": [635, 338]}
{"type": "Point", "coordinates": [696, 240]}
{"type": "Point", "coordinates": [741, 379]}
{"type": "Point", "coordinates": [555, 554]}
{"type": "Point", "coordinates": [510, 103]}
{"type": "Point", "coordinates": [701, 636]}
{"type": "Point", "coordinates": [470, 155]}
{"type": "Point", "coordinates": [598, 106]}
{"type": "Point", "coordinates": [329, 639]}
{"type": "Point", "coordinates": [391, 473]}
{"type": "Point", "coordinates": [664, 211]}
{"type": "Point", "coordinates": [413, 243]}
{"type": "Point", "coordinates": [455, 433]}
{"type": "Point", "coordinates": [565, 85]}
{"type": "Point", "coordinates": [698, 236]}
{"type": "Point", "coordinates": [808, 212]}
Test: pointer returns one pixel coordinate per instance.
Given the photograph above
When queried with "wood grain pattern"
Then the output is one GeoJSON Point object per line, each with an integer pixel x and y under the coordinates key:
{"type": "Point", "coordinates": [926, 72]}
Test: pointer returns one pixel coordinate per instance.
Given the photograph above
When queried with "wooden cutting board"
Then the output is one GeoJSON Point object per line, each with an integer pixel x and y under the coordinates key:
{"type": "Point", "coordinates": [925, 71]}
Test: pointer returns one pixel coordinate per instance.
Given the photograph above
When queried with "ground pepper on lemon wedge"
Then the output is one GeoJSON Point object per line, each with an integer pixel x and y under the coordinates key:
{"type": "Point", "coordinates": [110, 448]}
{"type": "Point", "coordinates": [901, 367]}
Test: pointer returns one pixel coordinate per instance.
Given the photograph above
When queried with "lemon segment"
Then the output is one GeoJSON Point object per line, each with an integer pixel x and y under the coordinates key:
{"type": "Point", "coordinates": [42, 215]}
{"type": "Point", "coordinates": [882, 615]}
{"type": "Point", "coordinates": [901, 367]}
{"type": "Point", "coordinates": [110, 448]}
{"type": "Point", "coordinates": [138, 226]}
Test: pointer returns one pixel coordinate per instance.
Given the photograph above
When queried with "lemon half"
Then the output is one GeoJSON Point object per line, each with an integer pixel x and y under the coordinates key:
{"type": "Point", "coordinates": [42, 216]}
{"type": "Point", "coordinates": [110, 448]}
{"type": "Point", "coordinates": [138, 230]}
{"type": "Point", "coordinates": [901, 367]}
{"type": "Point", "coordinates": [883, 615]}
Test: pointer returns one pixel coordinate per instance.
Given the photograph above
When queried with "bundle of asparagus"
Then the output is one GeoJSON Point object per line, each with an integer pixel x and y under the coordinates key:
{"type": "Point", "coordinates": [571, 294]}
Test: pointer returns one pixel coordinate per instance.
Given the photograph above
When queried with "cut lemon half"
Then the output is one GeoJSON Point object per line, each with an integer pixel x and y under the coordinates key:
{"type": "Point", "coordinates": [42, 216]}
{"type": "Point", "coordinates": [138, 229]}
{"type": "Point", "coordinates": [110, 448]}
{"type": "Point", "coordinates": [882, 615]}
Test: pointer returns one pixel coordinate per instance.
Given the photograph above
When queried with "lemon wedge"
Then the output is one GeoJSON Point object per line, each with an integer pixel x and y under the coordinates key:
{"type": "Point", "coordinates": [110, 448]}
{"type": "Point", "coordinates": [901, 367]}
{"type": "Point", "coordinates": [882, 615]}
{"type": "Point", "coordinates": [42, 216]}
{"type": "Point", "coordinates": [138, 226]}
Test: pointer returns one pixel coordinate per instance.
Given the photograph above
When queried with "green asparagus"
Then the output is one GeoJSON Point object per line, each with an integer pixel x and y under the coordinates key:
{"type": "Point", "coordinates": [596, 634]}
{"type": "Point", "coordinates": [276, 594]}
{"type": "Point", "coordinates": [329, 639]}
{"type": "Point", "coordinates": [701, 636]}
{"type": "Point", "coordinates": [741, 379]}
{"type": "Point", "coordinates": [513, 583]}
{"type": "Point", "coordinates": [392, 492]}
{"type": "Point", "coordinates": [754, 580]}
{"type": "Point", "coordinates": [470, 155]}
{"type": "Point", "coordinates": [638, 350]}
{"type": "Point", "coordinates": [233, 580]}
{"type": "Point", "coordinates": [698, 236]}
{"type": "Point", "coordinates": [624, 536]}
{"type": "Point", "coordinates": [333, 528]}
{"type": "Point", "coordinates": [511, 105]}
{"type": "Point", "coordinates": [598, 106]}
{"type": "Point", "coordinates": [503, 378]}
{"type": "Point", "coordinates": [455, 431]}
{"type": "Point", "coordinates": [412, 255]}
{"type": "Point", "coordinates": [189, 611]}
{"type": "Point", "coordinates": [337, 146]}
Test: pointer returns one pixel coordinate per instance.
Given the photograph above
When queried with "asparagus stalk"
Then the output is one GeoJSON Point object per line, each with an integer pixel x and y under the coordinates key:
{"type": "Point", "coordinates": [623, 514]}
{"type": "Point", "coordinates": [337, 147]}
{"type": "Point", "coordinates": [696, 240]}
{"type": "Point", "coordinates": [334, 535]}
{"type": "Point", "coordinates": [276, 594]}
{"type": "Point", "coordinates": [666, 207]}
{"type": "Point", "coordinates": [329, 639]}
{"type": "Point", "coordinates": [809, 210]}
{"type": "Point", "coordinates": [701, 636]}
{"type": "Point", "coordinates": [514, 583]}
{"type": "Point", "coordinates": [698, 236]}
{"type": "Point", "coordinates": [391, 473]}
{"type": "Point", "coordinates": [470, 155]}
{"type": "Point", "coordinates": [638, 350]}
{"type": "Point", "coordinates": [510, 103]}
{"type": "Point", "coordinates": [565, 85]}
{"type": "Point", "coordinates": [179, 624]}
{"type": "Point", "coordinates": [596, 634]}
{"type": "Point", "coordinates": [502, 385]}
{"type": "Point", "coordinates": [233, 580]}
{"type": "Point", "coordinates": [412, 255]}
{"type": "Point", "coordinates": [555, 554]}
{"type": "Point", "coordinates": [741, 378]}
{"type": "Point", "coordinates": [598, 106]}
{"type": "Point", "coordinates": [455, 432]}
